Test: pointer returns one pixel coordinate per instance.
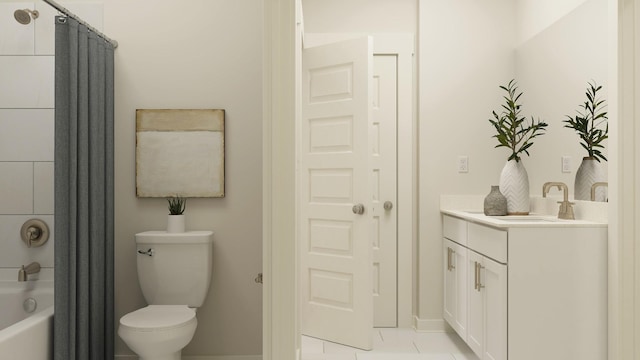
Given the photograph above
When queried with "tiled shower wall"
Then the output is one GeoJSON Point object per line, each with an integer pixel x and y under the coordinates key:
{"type": "Point", "coordinates": [27, 125]}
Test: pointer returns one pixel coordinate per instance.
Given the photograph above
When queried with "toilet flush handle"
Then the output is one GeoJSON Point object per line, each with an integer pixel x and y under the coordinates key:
{"type": "Point", "coordinates": [149, 252]}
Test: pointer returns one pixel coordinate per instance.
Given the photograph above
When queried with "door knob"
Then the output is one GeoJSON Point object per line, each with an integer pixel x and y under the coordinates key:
{"type": "Point", "coordinates": [358, 209]}
{"type": "Point", "coordinates": [388, 205]}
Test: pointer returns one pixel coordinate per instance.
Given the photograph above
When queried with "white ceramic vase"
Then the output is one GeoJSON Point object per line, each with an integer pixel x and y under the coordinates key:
{"type": "Point", "coordinates": [589, 172]}
{"type": "Point", "coordinates": [514, 185]}
{"type": "Point", "coordinates": [175, 223]}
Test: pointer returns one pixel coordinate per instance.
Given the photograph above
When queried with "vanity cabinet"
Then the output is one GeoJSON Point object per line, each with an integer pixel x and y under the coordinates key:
{"type": "Point", "coordinates": [526, 292]}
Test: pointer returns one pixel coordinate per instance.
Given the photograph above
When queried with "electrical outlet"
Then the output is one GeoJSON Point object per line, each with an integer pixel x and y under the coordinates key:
{"type": "Point", "coordinates": [566, 164]}
{"type": "Point", "coordinates": [463, 164]}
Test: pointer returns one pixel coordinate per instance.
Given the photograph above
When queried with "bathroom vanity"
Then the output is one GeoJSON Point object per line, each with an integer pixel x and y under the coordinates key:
{"type": "Point", "coordinates": [526, 287]}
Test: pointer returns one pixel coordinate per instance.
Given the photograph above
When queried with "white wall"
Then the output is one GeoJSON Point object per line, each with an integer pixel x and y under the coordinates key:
{"type": "Point", "coordinates": [537, 15]}
{"type": "Point", "coordinates": [368, 16]}
{"type": "Point", "coordinates": [27, 126]}
{"type": "Point", "coordinates": [466, 52]}
{"type": "Point", "coordinates": [204, 54]}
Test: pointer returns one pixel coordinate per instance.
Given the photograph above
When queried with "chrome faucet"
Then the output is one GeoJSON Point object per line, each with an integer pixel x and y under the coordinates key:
{"type": "Point", "coordinates": [32, 268]}
{"type": "Point", "coordinates": [595, 186]}
{"type": "Point", "coordinates": [566, 208]}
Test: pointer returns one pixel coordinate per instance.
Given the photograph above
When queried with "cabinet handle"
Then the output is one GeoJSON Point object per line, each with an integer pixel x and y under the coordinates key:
{"type": "Point", "coordinates": [450, 253]}
{"type": "Point", "coordinates": [479, 268]}
{"type": "Point", "coordinates": [475, 275]}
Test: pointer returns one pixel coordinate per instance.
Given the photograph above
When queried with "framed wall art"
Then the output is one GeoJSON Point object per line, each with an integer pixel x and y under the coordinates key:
{"type": "Point", "coordinates": [180, 152]}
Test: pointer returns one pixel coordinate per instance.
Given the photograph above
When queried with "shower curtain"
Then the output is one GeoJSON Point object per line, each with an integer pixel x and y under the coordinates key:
{"type": "Point", "coordinates": [84, 309]}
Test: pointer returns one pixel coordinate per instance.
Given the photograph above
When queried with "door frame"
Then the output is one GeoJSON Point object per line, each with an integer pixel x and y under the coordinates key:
{"type": "Point", "coordinates": [401, 46]}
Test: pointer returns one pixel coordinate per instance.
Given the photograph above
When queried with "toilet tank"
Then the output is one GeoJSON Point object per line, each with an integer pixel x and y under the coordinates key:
{"type": "Point", "coordinates": [174, 268]}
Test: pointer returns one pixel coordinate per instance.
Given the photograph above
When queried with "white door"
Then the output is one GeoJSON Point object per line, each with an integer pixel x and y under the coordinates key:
{"type": "Point", "coordinates": [335, 237]}
{"type": "Point", "coordinates": [383, 172]}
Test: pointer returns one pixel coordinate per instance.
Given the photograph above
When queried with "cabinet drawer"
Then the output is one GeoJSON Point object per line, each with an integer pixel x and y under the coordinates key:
{"type": "Point", "coordinates": [488, 241]}
{"type": "Point", "coordinates": [454, 229]}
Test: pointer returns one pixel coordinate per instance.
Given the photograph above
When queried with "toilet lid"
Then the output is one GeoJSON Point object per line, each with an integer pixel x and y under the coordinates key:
{"type": "Point", "coordinates": [159, 317]}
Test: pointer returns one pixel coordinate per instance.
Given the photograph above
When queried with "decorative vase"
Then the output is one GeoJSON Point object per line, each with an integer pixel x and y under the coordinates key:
{"type": "Point", "coordinates": [514, 185]}
{"type": "Point", "coordinates": [495, 204]}
{"type": "Point", "coordinates": [589, 172]}
{"type": "Point", "coordinates": [175, 224]}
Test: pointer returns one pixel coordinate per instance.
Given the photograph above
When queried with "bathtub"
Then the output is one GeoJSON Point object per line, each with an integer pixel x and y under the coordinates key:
{"type": "Point", "coordinates": [26, 316]}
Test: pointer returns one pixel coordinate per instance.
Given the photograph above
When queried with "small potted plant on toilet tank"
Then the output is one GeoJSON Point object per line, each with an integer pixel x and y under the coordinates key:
{"type": "Point", "coordinates": [176, 219]}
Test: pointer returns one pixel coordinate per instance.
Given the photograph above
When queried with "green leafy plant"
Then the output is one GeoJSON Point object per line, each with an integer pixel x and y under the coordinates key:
{"type": "Point", "coordinates": [513, 130]}
{"type": "Point", "coordinates": [589, 123]}
{"type": "Point", "coordinates": [177, 205]}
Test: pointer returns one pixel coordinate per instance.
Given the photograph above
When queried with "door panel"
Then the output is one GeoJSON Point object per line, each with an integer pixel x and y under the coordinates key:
{"type": "Point", "coordinates": [335, 251]}
{"type": "Point", "coordinates": [383, 173]}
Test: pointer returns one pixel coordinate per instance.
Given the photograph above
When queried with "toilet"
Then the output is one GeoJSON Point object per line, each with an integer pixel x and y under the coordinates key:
{"type": "Point", "coordinates": [174, 272]}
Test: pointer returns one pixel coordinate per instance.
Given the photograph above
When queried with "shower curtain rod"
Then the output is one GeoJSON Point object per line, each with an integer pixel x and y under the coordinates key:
{"type": "Point", "coordinates": [68, 13]}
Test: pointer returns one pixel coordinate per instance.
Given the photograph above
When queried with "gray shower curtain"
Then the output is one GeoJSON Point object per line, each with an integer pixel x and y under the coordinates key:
{"type": "Point", "coordinates": [84, 310]}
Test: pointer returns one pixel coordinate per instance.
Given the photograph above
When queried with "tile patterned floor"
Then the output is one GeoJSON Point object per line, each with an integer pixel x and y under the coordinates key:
{"type": "Point", "coordinates": [392, 344]}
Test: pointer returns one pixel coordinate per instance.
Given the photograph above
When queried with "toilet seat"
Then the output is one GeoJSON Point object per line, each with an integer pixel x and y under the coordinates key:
{"type": "Point", "coordinates": [158, 318]}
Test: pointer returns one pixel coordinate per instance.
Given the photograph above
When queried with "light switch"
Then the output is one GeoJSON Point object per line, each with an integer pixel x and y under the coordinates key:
{"type": "Point", "coordinates": [463, 164]}
{"type": "Point", "coordinates": [566, 164]}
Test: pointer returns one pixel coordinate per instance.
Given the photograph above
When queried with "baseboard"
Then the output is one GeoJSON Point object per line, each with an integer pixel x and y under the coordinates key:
{"type": "Point", "coordinates": [430, 325]}
{"type": "Point", "coordinates": [212, 357]}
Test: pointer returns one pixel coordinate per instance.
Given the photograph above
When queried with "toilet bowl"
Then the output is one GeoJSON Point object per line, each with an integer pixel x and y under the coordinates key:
{"type": "Point", "coordinates": [158, 332]}
{"type": "Point", "coordinates": [174, 273]}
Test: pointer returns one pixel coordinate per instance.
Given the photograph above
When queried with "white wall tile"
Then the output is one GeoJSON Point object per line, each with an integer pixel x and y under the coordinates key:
{"type": "Point", "coordinates": [91, 13]}
{"type": "Point", "coordinates": [15, 252]}
{"type": "Point", "coordinates": [15, 38]}
{"type": "Point", "coordinates": [27, 134]}
{"type": "Point", "coordinates": [43, 188]}
{"type": "Point", "coordinates": [27, 81]}
{"type": "Point", "coordinates": [16, 188]}
{"type": "Point", "coordinates": [45, 32]}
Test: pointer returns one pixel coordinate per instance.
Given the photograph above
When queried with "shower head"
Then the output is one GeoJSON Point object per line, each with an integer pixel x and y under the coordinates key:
{"type": "Point", "coordinates": [24, 16]}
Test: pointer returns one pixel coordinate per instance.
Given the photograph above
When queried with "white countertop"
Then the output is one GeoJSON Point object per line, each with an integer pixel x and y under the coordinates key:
{"type": "Point", "coordinates": [531, 220]}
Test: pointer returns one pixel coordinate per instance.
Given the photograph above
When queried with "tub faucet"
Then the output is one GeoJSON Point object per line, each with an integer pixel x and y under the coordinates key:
{"type": "Point", "coordinates": [32, 268]}
{"type": "Point", "coordinates": [566, 208]}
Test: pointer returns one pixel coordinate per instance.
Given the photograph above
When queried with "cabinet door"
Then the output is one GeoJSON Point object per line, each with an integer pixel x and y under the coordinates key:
{"type": "Point", "coordinates": [493, 284]}
{"type": "Point", "coordinates": [449, 283]}
{"type": "Point", "coordinates": [455, 286]}
{"type": "Point", "coordinates": [487, 327]}
{"type": "Point", "coordinates": [475, 307]}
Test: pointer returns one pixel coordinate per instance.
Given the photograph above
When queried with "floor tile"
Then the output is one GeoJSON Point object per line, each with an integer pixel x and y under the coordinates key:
{"type": "Point", "coordinates": [389, 356]}
{"type": "Point", "coordinates": [392, 344]}
{"type": "Point", "coordinates": [334, 348]}
{"type": "Point", "coordinates": [440, 343]}
{"type": "Point", "coordinates": [329, 356]}
{"type": "Point", "coordinates": [311, 345]}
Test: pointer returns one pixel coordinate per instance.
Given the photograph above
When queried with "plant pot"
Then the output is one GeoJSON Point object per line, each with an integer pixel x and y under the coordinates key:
{"type": "Point", "coordinates": [589, 172]}
{"type": "Point", "coordinates": [495, 204]}
{"type": "Point", "coordinates": [175, 224]}
{"type": "Point", "coordinates": [514, 185]}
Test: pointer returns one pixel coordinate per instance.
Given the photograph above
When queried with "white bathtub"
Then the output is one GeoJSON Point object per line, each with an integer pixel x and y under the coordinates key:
{"type": "Point", "coordinates": [25, 332]}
